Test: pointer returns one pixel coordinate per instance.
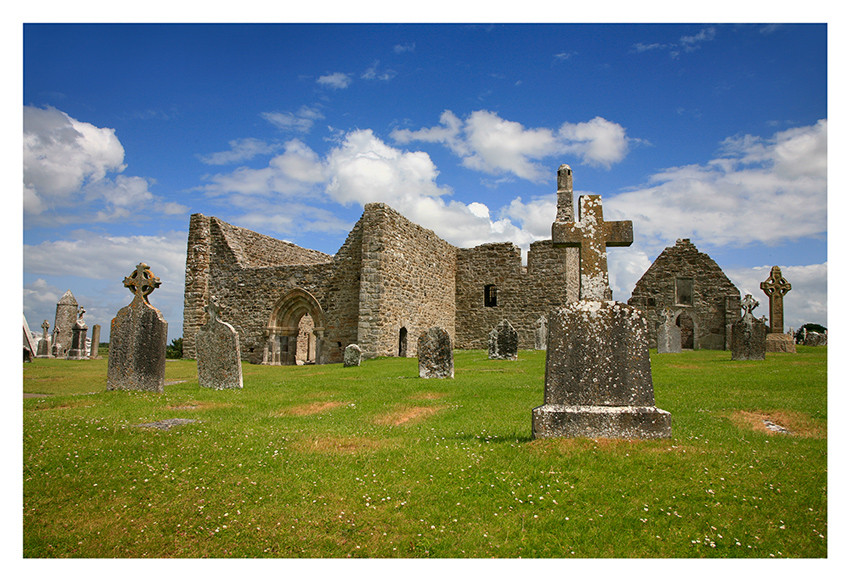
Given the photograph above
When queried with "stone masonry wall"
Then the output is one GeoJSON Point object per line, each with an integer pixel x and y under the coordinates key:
{"type": "Point", "coordinates": [715, 302]}
{"type": "Point", "coordinates": [523, 294]}
{"type": "Point", "coordinates": [407, 281]}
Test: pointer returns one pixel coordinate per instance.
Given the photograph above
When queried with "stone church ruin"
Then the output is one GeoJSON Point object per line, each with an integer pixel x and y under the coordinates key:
{"type": "Point", "coordinates": [389, 282]}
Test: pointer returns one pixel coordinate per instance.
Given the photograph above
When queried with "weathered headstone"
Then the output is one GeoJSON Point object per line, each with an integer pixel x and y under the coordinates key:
{"type": "Point", "coordinates": [43, 349]}
{"type": "Point", "coordinates": [352, 355]}
{"type": "Point", "coordinates": [669, 338]}
{"type": "Point", "coordinates": [138, 338]}
{"type": "Point", "coordinates": [78, 338]}
{"type": "Point", "coordinates": [541, 333]}
{"type": "Point", "coordinates": [598, 376]}
{"type": "Point", "coordinates": [748, 334]}
{"type": "Point", "coordinates": [776, 287]}
{"type": "Point", "coordinates": [503, 341]}
{"type": "Point", "coordinates": [56, 347]}
{"type": "Point", "coordinates": [95, 342]}
{"type": "Point", "coordinates": [63, 325]}
{"type": "Point", "coordinates": [436, 359]}
{"type": "Point", "coordinates": [217, 351]}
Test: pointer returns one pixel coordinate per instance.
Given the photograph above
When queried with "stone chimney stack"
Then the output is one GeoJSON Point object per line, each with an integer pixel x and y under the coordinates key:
{"type": "Point", "coordinates": [565, 195]}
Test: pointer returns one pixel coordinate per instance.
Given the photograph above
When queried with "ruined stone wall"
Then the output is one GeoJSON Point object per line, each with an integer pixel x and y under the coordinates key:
{"type": "Point", "coordinates": [196, 290]}
{"type": "Point", "coordinates": [715, 300]}
{"type": "Point", "coordinates": [522, 294]}
{"type": "Point", "coordinates": [407, 281]}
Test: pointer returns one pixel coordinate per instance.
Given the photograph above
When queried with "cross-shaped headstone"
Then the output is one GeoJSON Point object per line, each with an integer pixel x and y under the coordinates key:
{"type": "Point", "coordinates": [45, 326]}
{"type": "Point", "coordinates": [142, 282]}
{"type": "Point", "coordinates": [748, 304]}
{"type": "Point", "coordinates": [592, 235]}
{"type": "Point", "coordinates": [775, 287]}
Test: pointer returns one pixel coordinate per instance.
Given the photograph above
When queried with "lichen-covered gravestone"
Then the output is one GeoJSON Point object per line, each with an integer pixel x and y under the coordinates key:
{"type": "Point", "coordinates": [138, 338]}
{"type": "Point", "coordinates": [78, 338]}
{"type": "Point", "coordinates": [352, 355]}
{"type": "Point", "coordinates": [598, 376]}
{"type": "Point", "coordinates": [217, 352]}
{"type": "Point", "coordinates": [436, 359]}
{"type": "Point", "coordinates": [669, 338]}
{"type": "Point", "coordinates": [541, 333]}
{"type": "Point", "coordinates": [776, 287]}
{"type": "Point", "coordinates": [503, 341]}
{"type": "Point", "coordinates": [748, 334]}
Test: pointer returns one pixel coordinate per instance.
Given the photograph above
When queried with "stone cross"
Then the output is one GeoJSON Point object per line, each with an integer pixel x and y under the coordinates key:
{"type": "Point", "coordinates": [142, 282]}
{"type": "Point", "coordinates": [45, 326]}
{"type": "Point", "coordinates": [775, 287]}
{"type": "Point", "coordinates": [592, 235]}
{"type": "Point", "coordinates": [749, 304]}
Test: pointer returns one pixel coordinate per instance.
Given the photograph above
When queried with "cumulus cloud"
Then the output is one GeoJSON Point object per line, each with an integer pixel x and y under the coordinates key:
{"type": "Point", "coordinates": [335, 80]}
{"type": "Point", "coordinates": [760, 190]}
{"type": "Point", "coordinates": [485, 142]}
{"type": "Point", "coordinates": [301, 121]}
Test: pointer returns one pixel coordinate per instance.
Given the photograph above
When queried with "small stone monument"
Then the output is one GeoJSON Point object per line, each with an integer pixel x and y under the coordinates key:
{"type": "Point", "coordinates": [55, 346]}
{"type": "Point", "coordinates": [138, 338]}
{"type": "Point", "coordinates": [78, 338]}
{"type": "Point", "coordinates": [598, 376]}
{"type": "Point", "coordinates": [748, 334]}
{"type": "Point", "coordinates": [43, 349]}
{"type": "Point", "coordinates": [541, 333]}
{"type": "Point", "coordinates": [352, 356]}
{"type": "Point", "coordinates": [776, 287]}
{"type": "Point", "coordinates": [436, 359]}
{"type": "Point", "coordinates": [503, 341]}
{"type": "Point", "coordinates": [217, 351]}
{"type": "Point", "coordinates": [669, 333]}
{"type": "Point", "coordinates": [95, 342]}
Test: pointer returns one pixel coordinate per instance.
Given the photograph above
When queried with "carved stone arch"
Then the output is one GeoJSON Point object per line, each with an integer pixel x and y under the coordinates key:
{"type": "Point", "coordinates": [282, 327]}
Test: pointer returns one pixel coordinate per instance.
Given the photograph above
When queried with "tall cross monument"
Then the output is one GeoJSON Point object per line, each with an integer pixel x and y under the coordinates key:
{"type": "Point", "coordinates": [776, 287]}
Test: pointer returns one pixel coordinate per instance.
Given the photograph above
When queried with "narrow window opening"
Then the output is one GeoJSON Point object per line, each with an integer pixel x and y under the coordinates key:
{"type": "Point", "coordinates": [490, 295]}
{"type": "Point", "coordinates": [684, 291]}
{"type": "Point", "coordinates": [402, 342]}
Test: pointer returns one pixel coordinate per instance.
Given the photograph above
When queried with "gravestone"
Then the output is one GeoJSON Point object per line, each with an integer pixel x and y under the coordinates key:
{"type": "Point", "coordinates": [748, 334]}
{"type": "Point", "coordinates": [669, 339]}
{"type": "Point", "coordinates": [503, 341]}
{"type": "Point", "coordinates": [436, 359]}
{"type": "Point", "coordinates": [95, 342]}
{"type": "Point", "coordinates": [217, 352]}
{"type": "Point", "coordinates": [43, 349]}
{"type": "Point", "coordinates": [352, 356]}
{"type": "Point", "coordinates": [598, 378]}
{"type": "Point", "coordinates": [776, 287]}
{"type": "Point", "coordinates": [541, 333]}
{"type": "Point", "coordinates": [63, 325]}
{"type": "Point", "coordinates": [78, 338]}
{"type": "Point", "coordinates": [138, 338]}
{"type": "Point", "coordinates": [55, 346]}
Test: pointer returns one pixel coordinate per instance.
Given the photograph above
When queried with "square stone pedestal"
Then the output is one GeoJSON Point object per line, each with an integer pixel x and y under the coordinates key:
{"type": "Point", "coordinates": [588, 421]}
{"type": "Point", "coordinates": [779, 343]}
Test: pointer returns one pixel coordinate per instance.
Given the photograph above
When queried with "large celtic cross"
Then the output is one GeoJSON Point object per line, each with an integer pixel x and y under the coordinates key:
{"type": "Point", "coordinates": [776, 287]}
{"type": "Point", "coordinates": [142, 282]}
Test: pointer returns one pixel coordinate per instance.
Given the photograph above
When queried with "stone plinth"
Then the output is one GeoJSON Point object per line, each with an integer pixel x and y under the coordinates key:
{"type": "Point", "coordinates": [436, 359]}
{"type": "Point", "coordinates": [598, 376]}
{"type": "Point", "coordinates": [749, 339]}
{"type": "Point", "coordinates": [217, 350]}
{"type": "Point", "coordinates": [502, 342]}
{"type": "Point", "coordinates": [779, 343]}
{"type": "Point", "coordinates": [352, 356]}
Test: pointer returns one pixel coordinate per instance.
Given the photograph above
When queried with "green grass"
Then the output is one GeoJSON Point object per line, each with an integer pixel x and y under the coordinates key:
{"type": "Point", "coordinates": [326, 461]}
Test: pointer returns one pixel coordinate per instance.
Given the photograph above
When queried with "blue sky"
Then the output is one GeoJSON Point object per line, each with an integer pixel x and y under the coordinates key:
{"type": "Point", "coordinates": [713, 132]}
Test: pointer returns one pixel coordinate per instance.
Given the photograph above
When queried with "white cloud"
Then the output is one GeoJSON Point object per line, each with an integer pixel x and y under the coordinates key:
{"type": "Point", "coordinates": [762, 190]}
{"type": "Point", "coordinates": [805, 303]}
{"type": "Point", "coordinates": [335, 80]}
{"type": "Point", "coordinates": [240, 150]}
{"type": "Point", "coordinates": [373, 73]}
{"type": "Point", "coordinates": [402, 48]}
{"type": "Point", "coordinates": [302, 121]}
{"type": "Point", "coordinates": [485, 142]}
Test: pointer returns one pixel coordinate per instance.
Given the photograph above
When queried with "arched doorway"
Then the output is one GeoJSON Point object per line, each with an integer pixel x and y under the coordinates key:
{"type": "Point", "coordinates": [402, 342]}
{"type": "Point", "coordinates": [292, 317]}
{"type": "Point", "coordinates": [686, 324]}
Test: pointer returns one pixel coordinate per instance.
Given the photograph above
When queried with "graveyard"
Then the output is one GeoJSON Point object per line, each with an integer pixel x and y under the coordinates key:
{"type": "Point", "coordinates": [375, 461]}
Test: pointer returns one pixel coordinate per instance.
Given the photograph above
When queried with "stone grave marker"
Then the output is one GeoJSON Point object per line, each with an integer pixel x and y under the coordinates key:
{"type": "Point", "coordinates": [352, 356]}
{"type": "Point", "coordinates": [78, 338]}
{"type": "Point", "coordinates": [541, 333]}
{"type": "Point", "coordinates": [138, 338]}
{"type": "Point", "coordinates": [43, 349]}
{"type": "Point", "coordinates": [748, 334]}
{"type": "Point", "coordinates": [217, 352]}
{"type": "Point", "coordinates": [436, 359]}
{"type": "Point", "coordinates": [95, 342]}
{"type": "Point", "coordinates": [776, 287]}
{"type": "Point", "coordinates": [598, 378]}
{"type": "Point", "coordinates": [503, 341]}
{"type": "Point", "coordinates": [669, 334]}
{"type": "Point", "coordinates": [55, 346]}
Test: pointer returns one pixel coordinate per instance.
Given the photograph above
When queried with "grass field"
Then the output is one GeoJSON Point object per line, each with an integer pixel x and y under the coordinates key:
{"type": "Point", "coordinates": [326, 461]}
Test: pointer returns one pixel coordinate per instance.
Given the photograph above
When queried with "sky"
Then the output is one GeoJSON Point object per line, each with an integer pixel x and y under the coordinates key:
{"type": "Point", "coordinates": [709, 131]}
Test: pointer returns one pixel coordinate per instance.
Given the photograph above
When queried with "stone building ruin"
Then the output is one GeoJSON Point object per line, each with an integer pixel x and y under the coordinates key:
{"type": "Point", "coordinates": [683, 278]}
{"type": "Point", "coordinates": [389, 282]}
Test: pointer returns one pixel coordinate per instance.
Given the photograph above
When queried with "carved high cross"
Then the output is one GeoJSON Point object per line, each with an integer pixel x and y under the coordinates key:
{"type": "Point", "coordinates": [45, 326]}
{"type": "Point", "coordinates": [142, 282]}
{"type": "Point", "coordinates": [592, 235]}
{"type": "Point", "coordinates": [748, 304]}
{"type": "Point", "coordinates": [775, 287]}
